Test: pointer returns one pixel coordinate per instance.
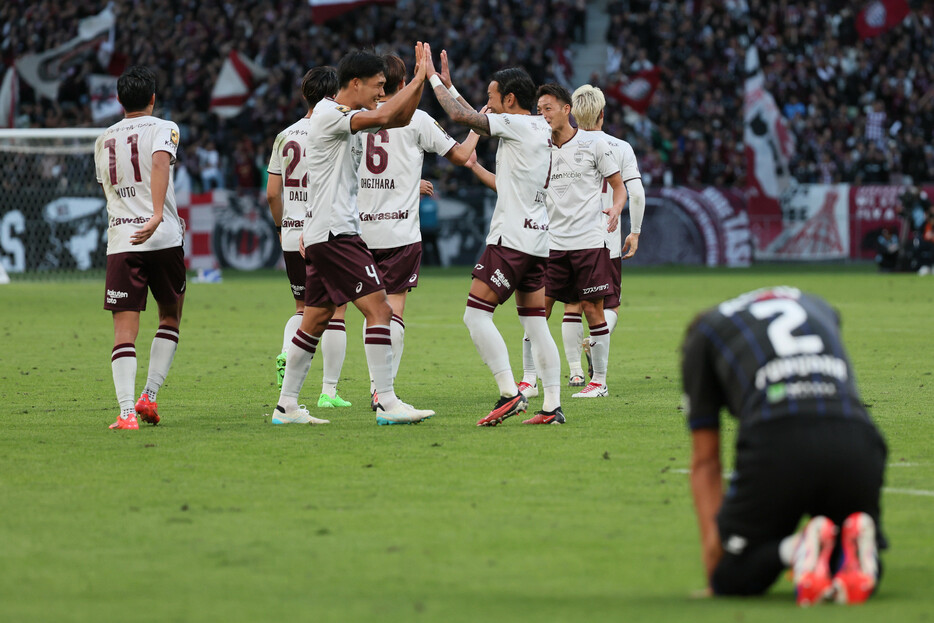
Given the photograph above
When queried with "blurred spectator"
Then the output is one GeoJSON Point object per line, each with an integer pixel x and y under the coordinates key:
{"type": "Point", "coordinates": [209, 161]}
{"type": "Point", "coordinates": [886, 250]}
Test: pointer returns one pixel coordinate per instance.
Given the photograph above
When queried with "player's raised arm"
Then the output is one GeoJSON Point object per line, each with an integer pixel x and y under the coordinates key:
{"type": "Point", "coordinates": [398, 111]}
{"type": "Point", "coordinates": [445, 75]}
{"type": "Point", "coordinates": [458, 113]}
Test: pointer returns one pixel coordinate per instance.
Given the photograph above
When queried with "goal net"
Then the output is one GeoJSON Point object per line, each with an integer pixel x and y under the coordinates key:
{"type": "Point", "coordinates": [53, 217]}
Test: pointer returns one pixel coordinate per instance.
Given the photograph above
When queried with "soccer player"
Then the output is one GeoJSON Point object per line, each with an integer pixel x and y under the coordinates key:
{"type": "Point", "coordinates": [388, 199]}
{"type": "Point", "coordinates": [579, 268]}
{"type": "Point", "coordinates": [588, 103]}
{"type": "Point", "coordinates": [287, 199]}
{"type": "Point", "coordinates": [805, 446]}
{"type": "Point", "coordinates": [133, 159]}
{"type": "Point", "coordinates": [339, 267]}
{"type": "Point", "coordinates": [517, 246]}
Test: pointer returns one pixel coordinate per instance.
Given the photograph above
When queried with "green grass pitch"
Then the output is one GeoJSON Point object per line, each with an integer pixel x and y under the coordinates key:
{"type": "Point", "coordinates": [216, 515]}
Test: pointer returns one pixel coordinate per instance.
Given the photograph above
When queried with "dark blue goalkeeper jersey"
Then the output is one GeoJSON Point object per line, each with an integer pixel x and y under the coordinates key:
{"type": "Point", "coordinates": [767, 355]}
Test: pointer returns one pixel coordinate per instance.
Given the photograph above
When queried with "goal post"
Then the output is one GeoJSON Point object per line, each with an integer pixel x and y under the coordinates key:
{"type": "Point", "coordinates": [53, 217]}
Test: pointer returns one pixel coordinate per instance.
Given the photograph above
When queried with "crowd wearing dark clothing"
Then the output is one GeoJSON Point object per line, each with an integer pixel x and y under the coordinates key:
{"type": "Point", "coordinates": [861, 111]}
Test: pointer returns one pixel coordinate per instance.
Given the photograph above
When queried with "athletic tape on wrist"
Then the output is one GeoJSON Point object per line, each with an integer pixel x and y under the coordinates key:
{"type": "Point", "coordinates": [435, 81]}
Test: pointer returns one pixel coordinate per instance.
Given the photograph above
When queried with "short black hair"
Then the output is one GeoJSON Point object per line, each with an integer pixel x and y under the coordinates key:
{"type": "Point", "coordinates": [395, 72]}
{"type": "Point", "coordinates": [517, 81]}
{"type": "Point", "coordinates": [359, 64]}
{"type": "Point", "coordinates": [555, 90]}
{"type": "Point", "coordinates": [319, 83]}
{"type": "Point", "coordinates": [135, 87]}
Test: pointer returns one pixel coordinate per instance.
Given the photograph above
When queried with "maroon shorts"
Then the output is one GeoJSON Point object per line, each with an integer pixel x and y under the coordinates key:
{"type": "Point", "coordinates": [399, 266]}
{"type": "Point", "coordinates": [612, 300]}
{"type": "Point", "coordinates": [580, 275]}
{"type": "Point", "coordinates": [130, 274]}
{"type": "Point", "coordinates": [340, 270]}
{"type": "Point", "coordinates": [506, 270]}
{"type": "Point", "coordinates": [295, 269]}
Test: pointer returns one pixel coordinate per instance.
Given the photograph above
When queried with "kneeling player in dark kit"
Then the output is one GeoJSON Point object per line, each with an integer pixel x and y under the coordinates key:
{"type": "Point", "coordinates": [805, 446]}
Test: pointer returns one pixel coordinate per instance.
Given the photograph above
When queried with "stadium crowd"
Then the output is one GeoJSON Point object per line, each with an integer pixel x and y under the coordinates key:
{"type": "Point", "coordinates": [861, 110]}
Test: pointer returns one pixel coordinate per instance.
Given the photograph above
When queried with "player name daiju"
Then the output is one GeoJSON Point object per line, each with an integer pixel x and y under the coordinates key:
{"type": "Point", "coordinates": [802, 365]}
{"type": "Point", "coordinates": [378, 183]}
{"type": "Point", "coordinates": [399, 215]}
{"type": "Point", "coordinates": [298, 195]}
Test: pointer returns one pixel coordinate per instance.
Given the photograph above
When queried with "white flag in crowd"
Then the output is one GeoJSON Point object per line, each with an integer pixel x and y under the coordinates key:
{"type": "Point", "coordinates": [44, 71]}
{"type": "Point", "coordinates": [239, 76]}
{"type": "Point", "coordinates": [104, 102]}
{"type": "Point", "coordinates": [769, 144]}
{"type": "Point", "coordinates": [9, 98]}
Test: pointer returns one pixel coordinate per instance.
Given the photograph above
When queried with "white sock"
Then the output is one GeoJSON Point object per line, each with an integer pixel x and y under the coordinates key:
{"type": "Point", "coordinates": [378, 348]}
{"type": "Point", "coordinates": [528, 362]}
{"type": "Point", "coordinates": [368, 369]}
{"type": "Point", "coordinates": [297, 363]}
{"type": "Point", "coordinates": [545, 352]}
{"type": "Point", "coordinates": [599, 352]}
{"type": "Point", "coordinates": [397, 335]}
{"type": "Point", "coordinates": [611, 318]}
{"type": "Point", "coordinates": [489, 343]}
{"type": "Point", "coordinates": [333, 348]}
{"type": "Point", "coordinates": [291, 326]}
{"type": "Point", "coordinates": [787, 547]}
{"type": "Point", "coordinates": [160, 358]}
{"type": "Point", "coordinates": [123, 365]}
{"type": "Point", "coordinates": [572, 335]}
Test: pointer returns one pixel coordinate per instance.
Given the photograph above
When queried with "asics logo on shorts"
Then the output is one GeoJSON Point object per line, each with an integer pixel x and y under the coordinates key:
{"type": "Point", "coordinates": [478, 267]}
{"type": "Point", "coordinates": [413, 278]}
{"type": "Point", "coordinates": [359, 286]}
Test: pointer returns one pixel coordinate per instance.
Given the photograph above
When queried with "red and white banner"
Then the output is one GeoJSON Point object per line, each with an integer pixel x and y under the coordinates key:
{"type": "Point", "coordinates": [198, 213]}
{"type": "Point", "coordinates": [235, 83]}
{"type": "Point", "coordinates": [638, 91]}
{"type": "Point", "coordinates": [104, 102]}
{"type": "Point", "coordinates": [323, 10]}
{"type": "Point", "coordinates": [769, 144]}
{"type": "Point", "coordinates": [881, 16]}
{"type": "Point", "coordinates": [9, 98]}
{"type": "Point", "coordinates": [44, 71]}
{"type": "Point", "coordinates": [814, 225]}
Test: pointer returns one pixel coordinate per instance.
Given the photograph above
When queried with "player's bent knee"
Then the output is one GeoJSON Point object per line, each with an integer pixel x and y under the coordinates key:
{"type": "Point", "coordinates": [743, 575]}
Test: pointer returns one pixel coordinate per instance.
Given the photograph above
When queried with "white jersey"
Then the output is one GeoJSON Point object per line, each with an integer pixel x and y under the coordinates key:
{"type": "Point", "coordinates": [579, 169]}
{"type": "Point", "coordinates": [288, 160]}
{"type": "Point", "coordinates": [333, 156]}
{"type": "Point", "coordinates": [123, 162]}
{"type": "Point", "coordinates": [390, 173]}
{"type": "Point", "coordinates": [628, 170]}
{"type": "Point", "coordinates": [523, 157]}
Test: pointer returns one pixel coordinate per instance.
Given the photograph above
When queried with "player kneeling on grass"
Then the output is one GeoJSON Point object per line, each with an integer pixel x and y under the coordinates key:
{"type": "Point", "coordinates": [134, 159]}
{"type": "Point", "coordinates": [805, 446]}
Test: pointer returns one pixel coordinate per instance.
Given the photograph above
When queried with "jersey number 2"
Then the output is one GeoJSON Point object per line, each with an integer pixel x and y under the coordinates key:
{"type": "Point", "coordinates": [790, 316]}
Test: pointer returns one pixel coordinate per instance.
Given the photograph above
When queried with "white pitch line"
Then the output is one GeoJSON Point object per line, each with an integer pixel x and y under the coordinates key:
{"type": "Point", "coordinates": [922, 492]}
